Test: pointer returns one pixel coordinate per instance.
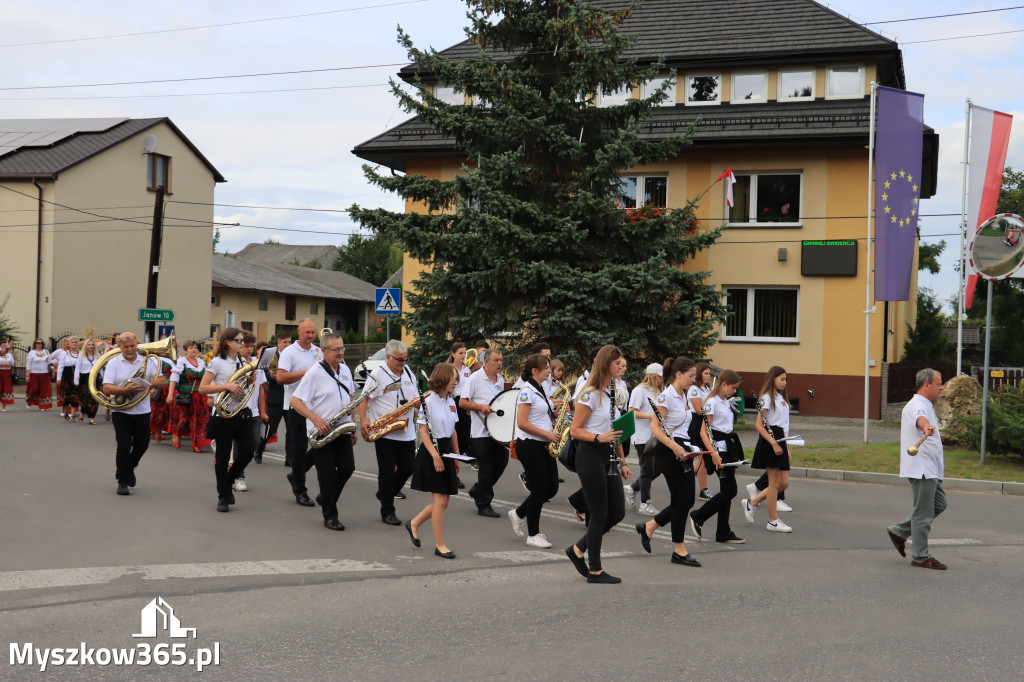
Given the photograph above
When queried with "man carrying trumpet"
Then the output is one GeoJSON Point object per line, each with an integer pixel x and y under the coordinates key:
{"type": "Point", "coordinates": [921, 461]}
{"type": "Point", "coordinates": [322, 392]}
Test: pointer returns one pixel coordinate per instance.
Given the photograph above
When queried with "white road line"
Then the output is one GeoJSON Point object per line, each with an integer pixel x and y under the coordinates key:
{"type": "Point", "coordinates": [949, 542]}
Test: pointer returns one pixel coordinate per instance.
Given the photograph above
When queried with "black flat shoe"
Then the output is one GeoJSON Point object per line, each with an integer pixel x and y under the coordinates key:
{"type": "Point", "coordinates": [579, 562]}
{"type": "Point", "coordinates": [685, 560]}
{"type": "Point", "coordinates": [415, 540]}
{"type": "Point", "coordinates": [334, 524]}
{"type": "Point", "coordinates": [488, 512]}
{"type": "Point", "coordinates": [400, 495]}
{"type": "Point", "coordinates": [122, 489]}
{"type": "Point", "coordinates": [222, 505]}
{"type": "Point", "coordinates": [459, 484]}
{"type": "Point", "coordinates": [391, 520]}
{"type": "Point", "coordinates": [641, 528]}
{"type": "Point", "coordinates": [603, 577]}
{"type": "Point", "coordinates": [444, 555]}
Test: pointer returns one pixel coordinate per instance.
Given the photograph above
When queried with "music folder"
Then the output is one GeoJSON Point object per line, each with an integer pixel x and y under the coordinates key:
{"type": "Point", "coordinates": [627, 424]}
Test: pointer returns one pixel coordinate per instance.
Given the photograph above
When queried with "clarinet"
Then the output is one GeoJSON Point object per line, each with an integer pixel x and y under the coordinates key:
{"type": "Point", "coordinates": [426, 418]}
{"type": "Point", "coordinates": [711, 436]}
{"type": "Point", "coordinates": [760, 412]}
{"type": "Point", "coordinates": [661, 422]}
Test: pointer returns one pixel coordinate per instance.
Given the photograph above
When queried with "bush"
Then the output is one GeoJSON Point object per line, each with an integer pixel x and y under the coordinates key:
{"type": "Point", "coordinates": [1005, 423]}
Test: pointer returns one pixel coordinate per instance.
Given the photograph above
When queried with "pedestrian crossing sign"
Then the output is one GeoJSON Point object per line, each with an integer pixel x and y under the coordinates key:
{"type": "Point", "coordinates": [388, 301]}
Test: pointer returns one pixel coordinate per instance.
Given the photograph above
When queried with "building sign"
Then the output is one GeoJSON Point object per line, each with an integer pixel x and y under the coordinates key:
{"type": "Point", "coordinates": [828, 258]}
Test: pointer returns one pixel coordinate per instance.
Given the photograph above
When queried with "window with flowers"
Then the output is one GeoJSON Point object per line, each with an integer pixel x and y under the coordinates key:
{"type": "Point", "coordinates": [640, 190]}
{"type": "Point", "coordinates": [766, 198]}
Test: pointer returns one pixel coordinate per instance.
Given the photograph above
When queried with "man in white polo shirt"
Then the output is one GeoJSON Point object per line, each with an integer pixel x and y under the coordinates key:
{"type": "Point", "coordinates": [481, 387]}
{"type": "Point", "coordinates": [295, 360]}
{"type": "Point", "coordinates": [925, 469]}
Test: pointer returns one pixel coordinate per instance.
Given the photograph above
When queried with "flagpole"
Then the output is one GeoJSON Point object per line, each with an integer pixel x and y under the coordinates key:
{"type": "Point", "coordinates": [868, 308]}
{"type": "Point", "coordinates": [960, 292]}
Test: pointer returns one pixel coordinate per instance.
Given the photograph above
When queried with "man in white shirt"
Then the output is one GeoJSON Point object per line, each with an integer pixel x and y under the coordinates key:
{"type": "Point", "coordinates": [396, 451]}
{"type": "Point", "coordinates": [131, 426]}
{"type": "Point", "coordinates": [919, 434]}
{"type": "Point", "coordinates": [321, 394]}
{"type": "Point", "coordinates": [476, 398]}
{"type": "Point", "coordinates": [295, 361]}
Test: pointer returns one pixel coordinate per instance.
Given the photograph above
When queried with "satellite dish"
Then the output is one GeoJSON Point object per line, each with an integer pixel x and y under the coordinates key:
{"type": "Point", "coordinates": [149, 144]}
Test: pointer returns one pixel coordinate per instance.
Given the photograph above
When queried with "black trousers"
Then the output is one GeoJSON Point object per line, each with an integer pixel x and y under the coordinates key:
{"type": "Point", "coordinates": [295, 446]}
{"type": "Point", "coordinates": [493, 458]}
{"type": "Point", "coordinates": [721, 503]}
{"type": "Point", "coordinates": [679, 476]}
{"type": "Point", "coordinates": [227, 432]}
{"type": "Point", "coordinates": [394, 467]}
{"type": "Point", "coordinates": [648, 472]}
{"type": "Point", "coordinates": [274, 413]}
{"type": "Point", "coordinates": [603, 493]}
{"type": "Point", "coordinates": [131, 432]}
{"type": "Point", "coordinates": [762, 483]}
{"type": "Point", "coordinates": [542, 473]}
{"type": "Point", "coordinates": [255, 425]}
{"type": "Point", "coordinates": [462, 429]}
{"type": "Point", "coordinates": [335, 463]}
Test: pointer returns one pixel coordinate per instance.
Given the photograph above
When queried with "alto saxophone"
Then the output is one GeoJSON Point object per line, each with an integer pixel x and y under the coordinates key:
{"type": "Point", "coordinates": [382, 426]}
{"type": "Point", "coordinates": [317, 440]}
{"type": "Point", "coordinates": [561, 425]}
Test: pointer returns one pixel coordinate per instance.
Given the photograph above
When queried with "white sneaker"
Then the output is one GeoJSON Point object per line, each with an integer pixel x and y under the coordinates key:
{"type": "Point", "coordinates": [752, 490]}
{"type": "Point", "coordinates": [517, 523]}
{"type": "Point", "coordinates": [647, 509]}
{"type": "Point", "coordinates": [782, 506]}
{"type": "Point", "coordinates": [779, 527]}
{"type": "Point", "coordinates": [630, 495]}
{"type": "Point", "coordinates": [538, 540]}
{"type": "Point", "coordinates": [239, 485]}
{"type": "Point", "coordinates": [748, 511]}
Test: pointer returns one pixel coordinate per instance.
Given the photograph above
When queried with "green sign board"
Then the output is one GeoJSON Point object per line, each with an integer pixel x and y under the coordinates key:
{"type": "Point", "coordinates": [155, 315]}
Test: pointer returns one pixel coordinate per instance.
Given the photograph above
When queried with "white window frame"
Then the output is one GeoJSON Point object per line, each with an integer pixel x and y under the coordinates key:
{"type": "Point", "coordinates": [814, 83]}
{"type": "Point", "coordinates": [641, 185]}
{"type": "Point", "coordinates": [828, 83]}
{"type": "Point", "coordinates": [447, 94]}
{"type": "Point", "coordinates": [314, 308]}
{"type": "Point", "coordinates": [749, 323]}
{"type": "Point", "coordinates": [711, 103]}
{"type": "Point", "coordinates": [651, 86]}
{"type": "Point", "coordinates": [751, 217]}
{"type": "Point", "coordinates": [733, 99]}
{"type": "Point", "coordinates": [614, 99]}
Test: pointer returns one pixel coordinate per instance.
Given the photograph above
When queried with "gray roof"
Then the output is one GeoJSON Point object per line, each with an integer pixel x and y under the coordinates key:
{"type": "Point", "coordinates": [44, 148]}
{"type": "Point", "coordinates": [288, 254]}
{"type": "Point", "coordinates": [394, 280]}
{"type": "Point", "coordinates": [739, 32]}
{"type": "Point", "coordinates": [232, 272]}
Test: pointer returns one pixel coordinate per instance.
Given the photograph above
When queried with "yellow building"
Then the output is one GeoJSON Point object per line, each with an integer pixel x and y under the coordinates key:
{"type": "Point", "coordinates": [782, 92]}
{"type": "Point", "coordinates": [77, 199]}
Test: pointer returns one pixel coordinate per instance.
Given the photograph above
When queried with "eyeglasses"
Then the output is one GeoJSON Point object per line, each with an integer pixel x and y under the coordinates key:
{"type": "Point", "coordinates": [240, 339]}
{"type": "Point", "coordinates": [398, 359]}
{"type": "Point", "coordinates": [335, 350]}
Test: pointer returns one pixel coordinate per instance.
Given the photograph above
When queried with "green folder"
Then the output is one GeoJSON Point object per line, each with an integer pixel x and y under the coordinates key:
{"type": "Point", "coordinates": [627, 424]}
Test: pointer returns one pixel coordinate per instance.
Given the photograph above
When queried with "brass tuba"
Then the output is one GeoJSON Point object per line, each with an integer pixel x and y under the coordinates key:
{"type": "Point", "coordinates": [228, 404]}
{"type": "Point", "coordinates": [166, 348]}
{"type": "Point", "coordinates": [470, 357]}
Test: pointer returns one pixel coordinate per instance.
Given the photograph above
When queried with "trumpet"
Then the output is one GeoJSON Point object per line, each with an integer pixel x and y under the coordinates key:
{"type": "Point", "coordinates": [164, 348]}
{"type": "Point", "coordinates": [317, 440]}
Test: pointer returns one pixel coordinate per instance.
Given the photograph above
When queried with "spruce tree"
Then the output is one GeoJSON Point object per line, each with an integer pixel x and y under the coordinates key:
{"type": "Point", "coordinates": [527, 243]}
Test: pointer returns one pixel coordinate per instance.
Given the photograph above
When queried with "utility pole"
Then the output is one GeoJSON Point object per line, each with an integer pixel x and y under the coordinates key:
{"type": "Point", "coordinates": [155, 243]}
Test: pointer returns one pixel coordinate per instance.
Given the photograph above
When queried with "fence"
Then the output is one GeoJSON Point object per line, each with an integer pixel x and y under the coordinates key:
{"type": "Point", "coordinates": [999, 376]}
{"type": "Point", "coordinates": [902, 384]}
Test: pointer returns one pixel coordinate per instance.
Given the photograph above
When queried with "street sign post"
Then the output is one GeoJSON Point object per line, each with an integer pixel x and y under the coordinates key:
{"type": "Point", "coordinates": [388, 302]}
{"type": "Point", "coordinates": [155, 315]}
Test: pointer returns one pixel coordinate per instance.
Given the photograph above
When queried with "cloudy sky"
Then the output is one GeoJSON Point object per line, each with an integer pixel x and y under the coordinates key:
{"type": "Point", "coordinates": [286, 140]}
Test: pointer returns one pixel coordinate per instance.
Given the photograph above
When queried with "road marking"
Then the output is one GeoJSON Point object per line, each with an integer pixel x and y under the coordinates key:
{"type": "Point", "coordinates": [69, 577]}
{"type": "Point", "coordinates": [949, 542]}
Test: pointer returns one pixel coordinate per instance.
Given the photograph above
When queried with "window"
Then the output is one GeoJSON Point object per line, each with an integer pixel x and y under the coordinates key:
{"type": "Point", "coordinates": [749, 87]}
{"type": "Point", "coordinates": [638, 190]}
{"type": "Point", "coordinates": [261, 303]}
{"type": "Point", "coordinates": [447, 94]}
{"type": "Point", "coordinates": [795, 86]}
{"type": "Point", "coordinates": [314, 308]}
{"type": "Point", "coordinates": [703, 89]}
{"type": "Point", "coordinates": [158, 172]}
{"type": "Point", "coordinates": [653, 85]}
{"type": "Point", "coordinates": [762, 314]}
{"type": "Point", "coordinates": [289, 307]}
{"type": "Point", "coordinates": [766, 198]}
{"type": "Point", "coordinates": [215, 300]}
{"type": "Point", "coordinates": [615, 98]}
{"type": "Point", "coordinates": [246, 326]}
{"type": "Point", "coordinates": [844, 81]}
{"type": "Point", "coordinates": [214, 330]}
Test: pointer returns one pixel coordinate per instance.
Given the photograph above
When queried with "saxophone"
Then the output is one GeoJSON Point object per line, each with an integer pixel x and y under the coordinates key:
{"type": "Point", "coordinates": [562, 421]}
{"type": "Point", "coordinates": [382, 426]}
{"type": "Point", "coordinates": [317, 440]}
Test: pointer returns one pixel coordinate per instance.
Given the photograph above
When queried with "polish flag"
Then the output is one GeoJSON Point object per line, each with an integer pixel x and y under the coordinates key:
{"type": "Point", "coordinates": [990, 136]}
{"type": "Point", "coordinates": [730, 180]}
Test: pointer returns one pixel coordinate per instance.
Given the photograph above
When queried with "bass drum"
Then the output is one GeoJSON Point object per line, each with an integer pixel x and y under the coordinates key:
{"type": "Point", "coordinates": [501, 422]}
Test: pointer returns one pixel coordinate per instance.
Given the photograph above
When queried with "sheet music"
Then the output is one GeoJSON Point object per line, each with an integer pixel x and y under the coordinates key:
{"type": "Point", "coordinates": [266, 357]}
{"type": "Point", "coordinates": [742, 463]}
{"type": "Point", "coordinates": [454, 455]}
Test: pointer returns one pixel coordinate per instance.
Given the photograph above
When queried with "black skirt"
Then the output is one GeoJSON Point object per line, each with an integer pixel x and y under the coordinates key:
{"type": "Point", "coordinates": [764, 454]}
{"type": "Point", "coordinates": [427, 479]}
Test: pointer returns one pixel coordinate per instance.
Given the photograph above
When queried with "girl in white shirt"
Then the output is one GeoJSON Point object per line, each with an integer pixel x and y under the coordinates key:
{"type": "Point", "coordinates": [770, 454]}
{"type": "Point", "coordinates": [697, 394]}
{"type": "Point", "coordinates": [640, 403]}
{"type": "Point", "coordinates": [432, 471]}
{"type": "Point", "coordinates": [462, 372]}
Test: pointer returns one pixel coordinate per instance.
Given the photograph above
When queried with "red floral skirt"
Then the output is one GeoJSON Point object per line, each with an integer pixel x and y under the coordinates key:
{"type": "Point", "coordinates": [39, 391]}
{"type": "Point", "coordinates": [6, 387]}
{"type": "Point", "coordinates": [190, 420]}
{"type": "Point", "coordinates": [160, 412]}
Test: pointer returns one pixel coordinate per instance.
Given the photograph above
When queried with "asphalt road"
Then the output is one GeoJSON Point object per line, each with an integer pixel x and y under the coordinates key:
{"type": "Point", "coordinates": [282, 597]}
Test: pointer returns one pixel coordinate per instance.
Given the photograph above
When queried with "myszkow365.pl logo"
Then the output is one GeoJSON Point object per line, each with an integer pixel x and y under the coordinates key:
{"type": "Point", "coordinates": [157, 618]}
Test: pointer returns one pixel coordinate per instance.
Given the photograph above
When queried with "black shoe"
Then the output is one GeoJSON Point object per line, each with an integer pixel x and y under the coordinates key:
{"type": "Point", "coordinates": [258, 458]}
{"type": "Point", "coordinates": [288, 461]}
{"type": "Point", "coordinates": [222, 505]}
{"type": "Point", "coordinates": [522, 479]}
{"type": "Point", "coordinates": [334, 524]}
{"type": "Point", "coordinates": [704, 495]}
{"type": "Point", "coordinates": [131, 478]}
{"type": "Point", "coordinates": [641, 528]}
{"type": "Point", "coordinates": [391, 520]}
{"type": "Point", "coordinates": [685, 560]}
{"type": "Point", "coordinates": [459, 484]}
{"type": "Point", "coordinates": [400, 495]}
{"type": "Point", "coordinates": [415, 540]}
{"type": "Point", "coordinates": [231, 498]}
{"type": "Point", "coordinates": [695, 527]}
{"type": "Point", "coordinates": [579, 562]}
{"type": "Point", "coordinates": [122, 489]}
{"type": "Point", "coordinates": [732, 539]}
{"type": "Point", "coordinates": [444, 555]}
{"type": "Point", "coordinates": [488, 512]}
{"type": "Point", "coordinates": [603, 577]}
{"type": "Point", "coordinates": [304, 500]}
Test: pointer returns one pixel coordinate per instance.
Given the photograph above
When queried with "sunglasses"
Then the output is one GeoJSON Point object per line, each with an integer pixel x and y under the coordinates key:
{"type": "Point", "coordinates": [240, 339]}
{"type": "Point", "coordinates": [398, 359]}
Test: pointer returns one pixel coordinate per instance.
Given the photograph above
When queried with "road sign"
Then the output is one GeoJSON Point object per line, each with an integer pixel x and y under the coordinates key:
{"type": "Point", "coordinates": [389, 301]}
{"type": "Point", "coordinates": [164, 330]}
{"type": "Point", "coordinates": [155, 315]}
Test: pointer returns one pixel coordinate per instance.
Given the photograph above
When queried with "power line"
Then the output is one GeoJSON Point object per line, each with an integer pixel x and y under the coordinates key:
{"type": "Point", "coordinates": [941, 16]}
{"type": "Point", "coordinates": [193, 94]}
{"type": "Point", "coordinates": [976, 35]}
{"type": "Point", "coordinates": [277, 208]}
{"type": "Point", "coordinates": [222, 25]}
